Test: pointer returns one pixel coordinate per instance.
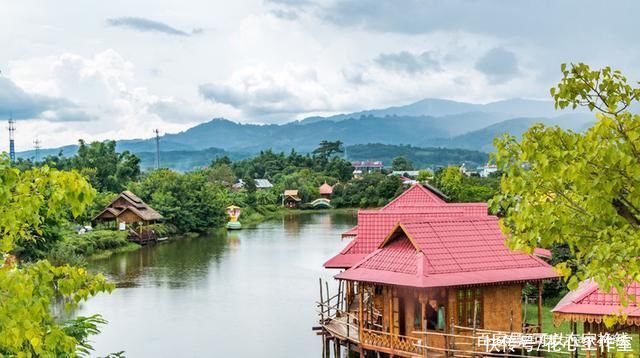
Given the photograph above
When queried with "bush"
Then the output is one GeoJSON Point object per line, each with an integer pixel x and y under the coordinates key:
{"type": "Point", "coordinates": [74, 247]}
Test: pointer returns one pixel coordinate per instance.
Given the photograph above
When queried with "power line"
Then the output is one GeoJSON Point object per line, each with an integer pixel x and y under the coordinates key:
{"type": "Point", "coordinates": [157, 133]}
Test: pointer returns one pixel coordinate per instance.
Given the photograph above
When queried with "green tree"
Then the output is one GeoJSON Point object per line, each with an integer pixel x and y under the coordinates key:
{"type": "Point", "coordinates": [327, 148]}
{"type": "Point", "coordinates": [189, 201]}
{"type": "Point", "coordinates": [27, 291]}
{"type": "Point", "coordinates": [581, 190]}
{"type": "Point", "coordinates": [106, 169]}
{"type": "Point", "coordinates": [401, 163]}
{"type": "Point", "coordinates": [450, 181]}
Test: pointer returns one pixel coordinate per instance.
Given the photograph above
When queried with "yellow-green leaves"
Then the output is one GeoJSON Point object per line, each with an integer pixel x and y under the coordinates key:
{"type": "Point", "coordinates": [27, 199]}
{"type": "Point", "coordinates": [579, 189]}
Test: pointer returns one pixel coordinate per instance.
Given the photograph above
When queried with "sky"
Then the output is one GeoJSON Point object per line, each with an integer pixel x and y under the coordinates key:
{"type": "Point", "coordinates": [117, 69]}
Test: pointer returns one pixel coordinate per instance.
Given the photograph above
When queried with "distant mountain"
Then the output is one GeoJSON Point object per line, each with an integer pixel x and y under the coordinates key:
{"type": "Point", "coordinates": [185, 160]}
{"type": "Point", "coordinates": [483, 139]}
{"type": "Point", "coordinates": [427, 123]}
{"type": "Point", "coordinates": [434, 107]}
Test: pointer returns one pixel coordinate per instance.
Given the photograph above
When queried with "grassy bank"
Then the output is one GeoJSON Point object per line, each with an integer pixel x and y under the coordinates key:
{"type": "Point", "coordinates": [76, 248]}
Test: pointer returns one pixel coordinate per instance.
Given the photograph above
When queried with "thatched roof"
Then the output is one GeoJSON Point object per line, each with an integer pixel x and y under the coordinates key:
{"type": "Point", "coordinates": [134, 204]}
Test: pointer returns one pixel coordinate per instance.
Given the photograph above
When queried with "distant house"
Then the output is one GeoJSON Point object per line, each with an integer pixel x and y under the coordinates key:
{"type": "Point", "coordinates": [291, 199]}
{"type": "Point", "coordinates": [486, 170]}
{"type": "Point", "coordinates": [326, 191]}
{"type": "Point", "coordinates": [260, 184]}
{"type": "Point", "coordinates": [367, 166]}
{"type": "Point", "coordinates": [129, 210]}
{"type": "Point", "coordinates": [412, 174]}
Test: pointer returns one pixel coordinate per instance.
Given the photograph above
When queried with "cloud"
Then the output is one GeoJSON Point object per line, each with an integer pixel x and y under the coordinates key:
{"type": "Point", "coordinates": [408, 62]}
{"type": "Point", "coordinates": [498, 64]}
{"type": "Point", "coordinates": [147, 25]}
{"type": "Point", "coordinates": [16, 102]}
{"type": "Point", "coordinates": [258, 91]}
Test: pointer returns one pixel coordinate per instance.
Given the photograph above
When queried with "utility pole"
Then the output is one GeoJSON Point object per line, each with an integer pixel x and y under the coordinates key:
{"type": "Point", "coordinates": [36, 146]}
{"type": "Point", "coordinates": [157, 133]}
{"type": "Point", "coordinates": [12, 146]}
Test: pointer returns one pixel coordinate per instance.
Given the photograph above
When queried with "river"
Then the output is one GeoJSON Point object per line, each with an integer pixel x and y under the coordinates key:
{"type": "Point", "coordinates": [247, 293]}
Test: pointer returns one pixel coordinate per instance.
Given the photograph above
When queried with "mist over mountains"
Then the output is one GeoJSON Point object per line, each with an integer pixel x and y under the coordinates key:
{"type": "Point", "coordinates": [426, 123]}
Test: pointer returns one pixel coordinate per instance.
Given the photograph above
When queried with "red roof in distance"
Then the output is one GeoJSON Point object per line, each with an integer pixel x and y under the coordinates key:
{"type": "Point", "coordinates": [589, 299]}
{"type": "Point", "coordinates": [326, 188]}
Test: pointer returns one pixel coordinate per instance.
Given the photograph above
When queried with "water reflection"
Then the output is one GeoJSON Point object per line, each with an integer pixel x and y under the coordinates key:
{"type": "Point", "coordinates": [245, 293]}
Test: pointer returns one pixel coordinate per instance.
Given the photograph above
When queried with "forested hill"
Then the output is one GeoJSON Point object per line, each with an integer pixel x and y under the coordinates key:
{"type": "Point", "coordinates": [427, 123]}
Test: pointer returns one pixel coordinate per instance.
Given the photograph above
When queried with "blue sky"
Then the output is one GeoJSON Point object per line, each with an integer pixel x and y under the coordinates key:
{"type": "Point", "coordinates": [119, 69]}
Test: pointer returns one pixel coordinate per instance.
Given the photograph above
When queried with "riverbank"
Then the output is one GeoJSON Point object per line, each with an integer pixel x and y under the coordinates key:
{"type": "Point", "coordinates": [77, 248]}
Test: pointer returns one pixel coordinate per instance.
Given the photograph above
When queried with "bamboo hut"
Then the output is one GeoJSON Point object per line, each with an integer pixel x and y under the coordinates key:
{"type": "Point", "coordinates": [421, 275]}
{"type": "Point", "coordinates": [290, 199]}
{"type": "Point", "coordinates": [128, 211]}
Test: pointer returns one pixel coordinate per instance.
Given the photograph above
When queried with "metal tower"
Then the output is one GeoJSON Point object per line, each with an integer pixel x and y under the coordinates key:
{"type": "Point", "coordinates": [157, 133]}
{"type": "Point", "coordinates": [36, 146]}
{"type": "Point", "coordinates": [12, 147]}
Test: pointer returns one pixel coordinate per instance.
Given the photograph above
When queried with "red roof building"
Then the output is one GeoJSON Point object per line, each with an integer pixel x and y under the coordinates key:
{"type": "Point", "coordinates": [419, 254]}
{"type": "Point", "coordinates": [444, 252]}
{"type": "Point", "coordinates": [326, 190]}
{"type": "Point", "coordinates": [588, 303]}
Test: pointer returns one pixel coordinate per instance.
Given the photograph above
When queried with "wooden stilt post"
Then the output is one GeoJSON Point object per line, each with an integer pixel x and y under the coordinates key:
{"type": "Point", "coordinates": [524, 314]}
{"type": "Point", "coordinates": [540, 311]}
{"type": "Point", "coordinates": [321, 304]}
{"type": "Point", "coordinates": [360, 318]}
{"type": "Point", "coordinates": [328, 300]}
{"type": "Point", "coordinates": [473, 331]}
{"type": "Point", "coordinates": [423, 315]}
{"type": "Point", "coordinates": [540, 305]}
{"type": "Point", "coordinates": [391, 322]}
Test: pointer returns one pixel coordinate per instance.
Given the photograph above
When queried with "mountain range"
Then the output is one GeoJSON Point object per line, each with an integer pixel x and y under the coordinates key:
{"type": "Point", "coordinates": [426, 123]}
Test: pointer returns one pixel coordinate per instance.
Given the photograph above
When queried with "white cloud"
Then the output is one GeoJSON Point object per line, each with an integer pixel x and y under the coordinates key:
{"type": "Point", "coordinates": [108, 99]}
{"type": "Point", "coordinates": [260, 92]}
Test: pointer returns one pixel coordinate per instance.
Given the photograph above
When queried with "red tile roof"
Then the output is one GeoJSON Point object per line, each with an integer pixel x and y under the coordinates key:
{"type": "Point", "coordinates": [415, 204]}
{"type": "Point", "coordinates": [447, 252]}
{"type": "Point", "coordinates": [589, 299]}
{"type": "Point", "coordinates": [326, 188]}
{"type": "Point", "coordinates": [416, 196]}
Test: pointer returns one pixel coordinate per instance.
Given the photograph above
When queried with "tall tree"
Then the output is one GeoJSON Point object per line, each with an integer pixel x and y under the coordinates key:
{"type": "Point", "coordinates": [327, 148]}
{"type": "Point", "coordinates": [401, 163]}
{"type": "Point", "coordinates": [27, 291]}
{"type": "Point", "coordinates": [579, 189]}
{"type": "Point", "coordinates": [106, 169]}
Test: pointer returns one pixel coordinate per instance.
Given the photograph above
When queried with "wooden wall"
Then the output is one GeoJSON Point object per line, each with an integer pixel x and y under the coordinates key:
{"type": "Point", "coordinates": [498, 304]}
{"type": "Point", "coordinates": [503, 307]}
{"type": "Point", "coordinates": [129, 217]}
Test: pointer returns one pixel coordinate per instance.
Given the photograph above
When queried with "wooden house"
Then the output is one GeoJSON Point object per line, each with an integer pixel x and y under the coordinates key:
{"type": "Point", "coordinates": [421, 274]}
{"type": "Point", "coordinates": [589, 305]}
{"type": "Point", "coordinates": [128, 211]}
{"type": "Point", "coordinates": [326, 191]}
{"type": "Point", "coordinates": [291, 199]}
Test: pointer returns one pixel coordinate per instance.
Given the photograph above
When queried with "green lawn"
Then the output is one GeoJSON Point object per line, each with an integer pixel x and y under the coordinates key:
{"type": "Point", "coordinates": [548, 327]}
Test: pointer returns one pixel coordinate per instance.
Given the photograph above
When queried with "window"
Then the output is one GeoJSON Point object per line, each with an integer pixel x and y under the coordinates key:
{"type": "Point", "coordinates": [466, 301]}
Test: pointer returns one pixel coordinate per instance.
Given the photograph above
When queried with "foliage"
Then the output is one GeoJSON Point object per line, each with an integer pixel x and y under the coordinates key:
{"type": "Point", "coordinates": [327, 148]}
{"type": "Point", "coordinates": [581, 190]}
{"type": "Point", "coordinates": [28, 291]}
{"type": "Point", "coordinates": [188, 201]}
{"type": "Point", "coordinates": [106, 169]}
{"type": "Point", "coordinates": [372, 190]}
{"type": "Point", "coordinates": [221, 173]}
{"type": "Point", "coordinates": [420, 157]}
{"type": "Point", "coordinates": [461, 188]}
{"type": "Point", "coordinates": [401, 163]}
{"type": "Point", "coordinates": [74, 247]}
{"type": "Point", "coordinates": [424, 175]}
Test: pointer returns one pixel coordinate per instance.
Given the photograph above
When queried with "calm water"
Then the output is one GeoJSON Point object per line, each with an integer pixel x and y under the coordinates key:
{"type": "Point", "coordinates": [248, 293]}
